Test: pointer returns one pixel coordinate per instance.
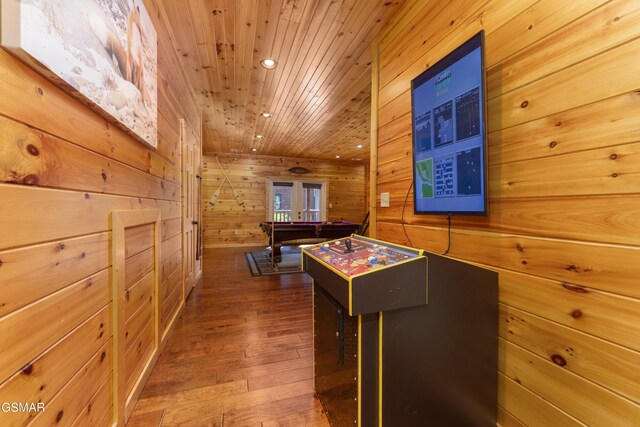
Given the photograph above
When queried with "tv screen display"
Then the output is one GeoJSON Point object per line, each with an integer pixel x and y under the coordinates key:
{"type": "Point", "coordinates": [449, 133]}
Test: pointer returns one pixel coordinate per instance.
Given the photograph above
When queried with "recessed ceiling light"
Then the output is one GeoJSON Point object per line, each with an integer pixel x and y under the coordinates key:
{"type": "Point", "coordinates": [267, 115]}
{"type": "Point", "coordinates": [337, 157]}
{"type": "Point", "coordinates": [268, 63]}
{"type": "Point", "coordinates": [355, 159]}
{"type": "Point", "coordinates": [254, 149]}
{"type": "Point", "coordinates": [259, 136]}
{"type": "Point", "coordinates": [359, 146]}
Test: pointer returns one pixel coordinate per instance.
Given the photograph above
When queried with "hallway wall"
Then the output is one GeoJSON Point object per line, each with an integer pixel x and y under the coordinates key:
{"type": "Point", "coordinates": [63, 169]}
{"type": "Point", "coordinates": [563, 82]}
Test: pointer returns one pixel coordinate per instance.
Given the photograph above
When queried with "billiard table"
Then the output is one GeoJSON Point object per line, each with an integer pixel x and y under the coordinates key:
{"type": "Point", "coordinates": [279, 232]}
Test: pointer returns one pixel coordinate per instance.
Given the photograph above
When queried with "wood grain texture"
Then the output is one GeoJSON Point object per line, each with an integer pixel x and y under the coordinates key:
{"type": "Point", "coordinates": [531, 408]}
{"type": "Point", "coordinates": [139, 294]}
{"type": "Point", "coordinates": [28, 332]}
{"type": "Point", "coordinates": [235, 351]}
{"type": "Point", "coordinates": [63, 169]}
{"type": "Point", "coordinates": [598, 406]}
{"type": "Point", "coordinates": [319, 91]}
{"type": "Point", "coordinates": [561, 230]}
{"type": "Point", "coordinates": [604, 219]}
{"type": "Point", "coordinates": [615, 23]}
{"type": "Point", "coordinates": [71, 401]}
{"type": "Point", "coordinates": [137, 239]}
{"type": "Point", "coordinates": [580, 353]}
{"type": "Point", "coordinates": [42, 378]}
{"type": "Point", "coordinates": [227, 224]}
{"type": "Point", "coordinates": [608, 316]}
{"type": "Point", "coordinates": [31, 157]}
{"type": "Point", "coordinates": [57, 214]}
{"type": "Point", "coordinates": [585, 264]}
{"type": "Point", "coordinates": [98, 411]}
{"type": "Point", "coordinates": [31, 273]}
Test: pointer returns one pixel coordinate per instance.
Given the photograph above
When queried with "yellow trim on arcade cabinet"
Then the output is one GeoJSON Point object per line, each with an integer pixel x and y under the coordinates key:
{"type": "Point", "coordinates": [350, 298]}
{"type": "Point", "coordinates": [380, 369]}
{"type": "Point", "coordinates": [359, 370]}
{"type": "Point", "coordinates": [426, 279]}
{"type": "Point", "coordinates": [313, 330]}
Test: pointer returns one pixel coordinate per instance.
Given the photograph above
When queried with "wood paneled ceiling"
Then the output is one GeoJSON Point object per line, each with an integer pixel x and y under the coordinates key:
{"type": "Point", "coordinates": [319, 93]}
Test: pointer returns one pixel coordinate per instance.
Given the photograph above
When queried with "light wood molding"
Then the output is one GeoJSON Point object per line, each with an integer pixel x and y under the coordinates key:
{"type": "Point", "coordinates": [373, 137]}
{"type": "Point", "coordinates": [124, 400]}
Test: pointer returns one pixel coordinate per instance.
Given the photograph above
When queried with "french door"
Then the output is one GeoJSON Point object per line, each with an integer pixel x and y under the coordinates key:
{"type": "Point", "coordinates": [296, 200]}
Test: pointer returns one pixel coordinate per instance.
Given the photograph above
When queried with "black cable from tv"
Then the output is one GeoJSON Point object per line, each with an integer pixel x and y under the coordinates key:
{"type": "Point", "coordinates": [449, 234]}
{"type": "Point", "coordinates": [406, 197]}
{"type": "Point", "coordinates": [402, 218]}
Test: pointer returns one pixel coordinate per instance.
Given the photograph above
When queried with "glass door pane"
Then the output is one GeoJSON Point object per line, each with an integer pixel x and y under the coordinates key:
{"type": "Point", "coordinates": [282, 202]}
{"type": "Point", "coordinates": [311, 208]}
{"type": "Point", "coordinates": [296, 201]}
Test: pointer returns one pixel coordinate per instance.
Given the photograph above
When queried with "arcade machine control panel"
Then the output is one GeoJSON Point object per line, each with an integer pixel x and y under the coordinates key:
{"type": "Point", "coordinates": [367, 275]}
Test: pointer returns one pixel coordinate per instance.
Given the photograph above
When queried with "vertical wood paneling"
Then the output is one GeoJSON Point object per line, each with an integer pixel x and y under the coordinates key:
{"type": "Point", "coordinates": [562, 221]}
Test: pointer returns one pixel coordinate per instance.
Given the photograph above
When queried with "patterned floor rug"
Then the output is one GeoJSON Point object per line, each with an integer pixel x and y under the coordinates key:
{"type": "Point", "coordinates": [260, 262]}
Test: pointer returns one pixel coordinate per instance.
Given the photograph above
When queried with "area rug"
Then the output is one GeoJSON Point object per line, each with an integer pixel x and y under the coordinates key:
{"type": "Point", "coordinates": [260, 262]}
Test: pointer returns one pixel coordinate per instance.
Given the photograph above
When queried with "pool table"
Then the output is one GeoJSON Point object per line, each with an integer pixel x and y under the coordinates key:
{"type": "Point", "coordinates": [279, 232]}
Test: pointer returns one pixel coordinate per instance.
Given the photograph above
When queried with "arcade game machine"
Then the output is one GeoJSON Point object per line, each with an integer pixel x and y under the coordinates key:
{"type": "Point", "coordinates": [402, 337]}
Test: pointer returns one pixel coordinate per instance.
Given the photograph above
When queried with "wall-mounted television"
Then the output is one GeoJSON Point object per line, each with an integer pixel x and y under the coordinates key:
{"type": "Point", "coordinates": [448, 109]}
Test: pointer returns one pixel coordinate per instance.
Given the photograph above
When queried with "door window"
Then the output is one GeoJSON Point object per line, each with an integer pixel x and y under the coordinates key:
{"type": "Point", "coordinates": [296, 201]}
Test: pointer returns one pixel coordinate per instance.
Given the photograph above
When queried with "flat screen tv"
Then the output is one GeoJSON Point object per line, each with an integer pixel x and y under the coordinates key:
{"type": "Point", "coordinates": [449, 133]}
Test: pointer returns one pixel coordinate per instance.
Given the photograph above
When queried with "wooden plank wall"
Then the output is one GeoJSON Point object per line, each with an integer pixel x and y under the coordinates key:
{"type": "Point", "coordinates": [564, 163]}
{"type": "Point", "coordinates": [227, 224]}
{"type": "Point", "coordinates": [63, 169]}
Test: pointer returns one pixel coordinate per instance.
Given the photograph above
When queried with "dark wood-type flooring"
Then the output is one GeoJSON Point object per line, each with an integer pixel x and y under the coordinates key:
{"type": "Point", "coordinates": [241, 352]}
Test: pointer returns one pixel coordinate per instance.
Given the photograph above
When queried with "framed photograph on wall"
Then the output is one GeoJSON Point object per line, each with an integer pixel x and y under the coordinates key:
{"type": "Point", "coordinates": [103, 52]}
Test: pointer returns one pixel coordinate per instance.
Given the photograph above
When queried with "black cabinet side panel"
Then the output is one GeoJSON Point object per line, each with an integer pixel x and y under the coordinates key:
{"type": "Point", "coordinates": [440, 360]}
{"type": "Point", "coordinates": [336, 361]}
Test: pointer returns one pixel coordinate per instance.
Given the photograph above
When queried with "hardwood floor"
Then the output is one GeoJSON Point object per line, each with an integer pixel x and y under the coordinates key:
{"type": "Point", "coordinates": [240, 355]}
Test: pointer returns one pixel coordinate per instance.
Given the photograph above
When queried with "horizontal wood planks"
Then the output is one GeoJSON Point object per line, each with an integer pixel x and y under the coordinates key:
{"type": "Point", "coordinates": [63, 170]}
{"type": "Point", "coordinates": [564, 101]}
{"type": "Point", "coordinates": [228, 224]}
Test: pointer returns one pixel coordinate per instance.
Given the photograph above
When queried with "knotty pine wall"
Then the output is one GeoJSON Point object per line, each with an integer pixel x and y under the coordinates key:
{"type": "Point", "coordinates": [227, 224]}
{"type": "Point", "coordinates": [63, 169]}
{"type": "Point", "coordinates": [564, 224]}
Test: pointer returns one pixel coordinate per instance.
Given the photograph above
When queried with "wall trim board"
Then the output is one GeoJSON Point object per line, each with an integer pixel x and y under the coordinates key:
{"type": "Point", "coordinates": [138, 387]}
{"type": "Point", "coordinates": [373, 145]}
{"type": "Point", "coordinates": [123, 404]}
